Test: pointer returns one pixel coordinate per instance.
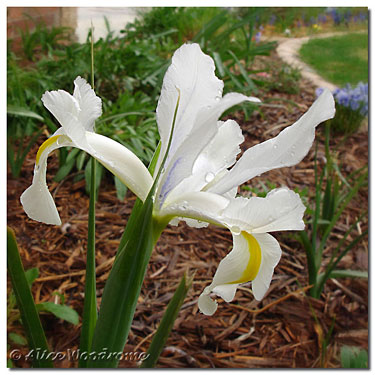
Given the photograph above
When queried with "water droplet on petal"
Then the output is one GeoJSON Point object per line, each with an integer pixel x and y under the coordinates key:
{"type": "Point", "coordinates": [275, 146]}
{"type": "Point", "coordinates": [292, 154]}
{"type": "Point", "coordinates": [209, 177]}
{"type": "Point", "coordinates": [235, 229]}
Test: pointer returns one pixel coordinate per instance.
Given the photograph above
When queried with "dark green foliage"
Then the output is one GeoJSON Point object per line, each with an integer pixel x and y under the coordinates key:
{"type": "Point", "coordinates": [353, 357]}
{"type": "Point", "coordinates": [333, 193]}
{"type": "Point", "coordinates": [128, 73]}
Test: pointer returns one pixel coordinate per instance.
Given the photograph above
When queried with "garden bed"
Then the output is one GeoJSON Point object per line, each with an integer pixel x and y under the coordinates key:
{"type": "Point", "coordinates": [286, 329]}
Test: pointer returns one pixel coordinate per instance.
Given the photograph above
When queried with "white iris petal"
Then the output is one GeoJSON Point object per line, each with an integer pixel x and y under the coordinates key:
{"type": "Point", "coordinates": [200, 178]}
{"type": "Point", "coordinates": [285, 150]}
{"type": "Point", "coordinates": [77, 115]}
{"type": "Point", "coordinates": [255, 253]}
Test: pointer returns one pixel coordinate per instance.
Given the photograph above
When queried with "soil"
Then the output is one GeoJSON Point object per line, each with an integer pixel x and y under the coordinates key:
{"type": "Point", "coordinates": [284, 330]}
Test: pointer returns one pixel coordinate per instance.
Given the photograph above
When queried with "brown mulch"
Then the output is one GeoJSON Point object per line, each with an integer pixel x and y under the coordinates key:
{"type": "Point", "coordinates": [286, 329]}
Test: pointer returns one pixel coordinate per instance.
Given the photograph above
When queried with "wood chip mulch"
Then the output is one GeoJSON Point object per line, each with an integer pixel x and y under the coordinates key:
{"type": "Point", "coordinates": [285, 330]}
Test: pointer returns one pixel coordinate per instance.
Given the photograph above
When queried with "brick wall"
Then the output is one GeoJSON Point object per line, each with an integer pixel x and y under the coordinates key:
{"type": "Point", "coordinates": [27, 17]}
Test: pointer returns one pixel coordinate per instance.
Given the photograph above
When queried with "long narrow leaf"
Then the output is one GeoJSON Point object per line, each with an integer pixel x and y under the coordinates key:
{"type": "Point", "coordinates": [24, 112]}
{"type": "Point", "coordinates": [211, 27]}
{"type": "Point", "coordinates": [122, 289]}
{"type": "Point", "coordinates": [89, 317]}
{"type": "Point", "coordinates": [318, 193]}
{"type": "Point", "coordinates": [167, 322]}
{"type": "Point", "coordinates": [25, 302]}
{"type": "Point", "coordinates": [310, 254]}
{"type": "Point", "coordinates": [244, 73]}
{"type": "Point", "coordinates": [329, 270]}
{"type": "Point", "coordinates": [124, 283]}
{"type": "Point", "coordinates": [345, 202]}
{"type": "Point", "coordinates": [349, 273]}
{"type": "Point", "coordinates": [322, 278]}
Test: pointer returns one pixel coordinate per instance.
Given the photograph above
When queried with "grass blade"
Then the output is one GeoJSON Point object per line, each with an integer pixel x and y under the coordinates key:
{"type": "Point", "coordinates": [25, 302]}
{"type": "Point", "coordinates": [167, 322]}
{"type": "Point", "coordinates": [340, 209]}
{"type": "Point", "coordinates": [349, 273]}
{"type": "Point", "coordinates": [244, 73]}
{"type": "Point", "coordinates": [22, 111]}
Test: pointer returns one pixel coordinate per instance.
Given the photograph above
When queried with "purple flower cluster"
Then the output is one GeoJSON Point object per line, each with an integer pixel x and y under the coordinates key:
{"type": "Point", "coordinates": [336, 16]}
{"type": "Point", "coordinates": [272, 20]}
{"type": "Point", "coordinates": [354, 98]}
{"type": "Point", "coordinates": [346, 17]}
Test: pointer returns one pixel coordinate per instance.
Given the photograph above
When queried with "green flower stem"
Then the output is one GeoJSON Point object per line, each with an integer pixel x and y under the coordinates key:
{"type": "Point", "coordinates": [123, 287]}
{"type": "Point", "coordinates": [310, 255]}
{"type": "Point", "coordinates": [124, 283]}
{"type": "Point", "coordinates": [167, 322]}
{"type": "Point", "coordinates": [89, 309]}
{"type": "Point", "coordinates": [25, 302]}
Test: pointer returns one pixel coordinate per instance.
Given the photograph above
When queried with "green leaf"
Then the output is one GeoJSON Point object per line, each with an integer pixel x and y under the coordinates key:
{"type": "Point", "coordinates": [31, 274]}
{"type": "Point", "coordinates": [353, 357]}
{"type": "Point", "coordinates": [348, 273]}
{"type": "Point", "coordinates": [124, 283]}
{"type": "Point", "coordinates": [89, 317]}
{"type": "Point", "coordinates": [90, 314]}
{"type": "Point", "coordinates": [60, 295]}
{"type": "Point", "coordinates": [80, 160]}
{"type": "Point", "coordinates": [121, 189]}
{"type": "Point", "coordinates": [64, 170]}
{"type": "Point", "coordinates": [244, 73]}
{"type": "Point", "coordinates": [219, 64]}
{"type": "Point", "coordinates": [25, 302]}
{"type": "Point", "coordinates": [352, 192]}
{"type": "Point", "coordinates": [60, 311]}
{"type": "Point", "coordinates": [210, 27]}
{"type": "Point", "coordinates": [166, 324]}
{"type": "Point", "coordinates": [154, 160]}
{"type": "Point", "coordinates": [17, 339]}
{"type": "Point", "coordinates": [22, 111]}
{"type": "Point", "coordinates": [123, 286]}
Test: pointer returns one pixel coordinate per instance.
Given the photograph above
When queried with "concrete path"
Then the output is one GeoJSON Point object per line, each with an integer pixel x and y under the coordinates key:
{"type": "Point", "coordinates": [117, 17]}
{"type": "Point", "coordinates": [288, 49]}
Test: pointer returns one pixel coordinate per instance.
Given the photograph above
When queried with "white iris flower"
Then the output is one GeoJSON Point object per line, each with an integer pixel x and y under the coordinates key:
{"type": "Point", "coordinates": [200, 177]}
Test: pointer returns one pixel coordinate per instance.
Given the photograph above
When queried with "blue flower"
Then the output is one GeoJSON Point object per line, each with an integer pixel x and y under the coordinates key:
{"type": "Point", "coordinates": [354, 105]}
{"type": "Point", "coordinates": [342, 98]}
{"type": "Point", "coordinates": [355, 98]}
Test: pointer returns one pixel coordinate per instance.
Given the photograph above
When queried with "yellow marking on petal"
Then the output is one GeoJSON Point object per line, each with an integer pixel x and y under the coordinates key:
{"type": "Point", "coordinates": [44, 145]}
{"type": "Point", "coordinates": [253, 264]}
